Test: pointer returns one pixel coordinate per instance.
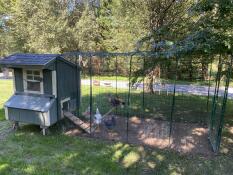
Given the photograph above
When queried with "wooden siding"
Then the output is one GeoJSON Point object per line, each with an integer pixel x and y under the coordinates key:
{"type": "Point", "coordinates": [26, 116]}
{"type": "Point", "coordinates": [47, 81]}
{"type": "Point", "coordinates": [18, 73]}
{"type": "Point", "coordinates": [33, 117]}
{"type": "Point", "coordinates": [66, 83]}
{"type": "Point", "coordinates": [53, 113]}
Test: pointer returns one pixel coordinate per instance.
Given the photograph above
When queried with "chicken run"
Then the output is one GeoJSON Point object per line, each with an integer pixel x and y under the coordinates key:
{"type": "Point", "coordinates": [162, 114]}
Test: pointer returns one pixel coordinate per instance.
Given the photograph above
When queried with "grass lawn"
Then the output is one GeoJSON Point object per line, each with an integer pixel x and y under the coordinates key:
{"type": "Point", "coordinates": [6, 90]}
{"type": "Point", "coordinates": [28, 152]}
{"type": "Point", "coordinates": [187, 107]}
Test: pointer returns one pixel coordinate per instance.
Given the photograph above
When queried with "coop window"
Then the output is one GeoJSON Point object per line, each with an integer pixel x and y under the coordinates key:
{"type": "Point", "coordinates": [33, 81]}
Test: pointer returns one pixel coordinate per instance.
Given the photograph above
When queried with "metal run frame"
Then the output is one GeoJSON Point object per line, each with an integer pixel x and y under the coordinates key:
{"type": "Point", "coordinates": [215, 125]}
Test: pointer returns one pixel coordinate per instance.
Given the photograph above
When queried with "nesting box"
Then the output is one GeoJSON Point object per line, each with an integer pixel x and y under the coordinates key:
{"type": "Point", "coordinates": [44, 86]}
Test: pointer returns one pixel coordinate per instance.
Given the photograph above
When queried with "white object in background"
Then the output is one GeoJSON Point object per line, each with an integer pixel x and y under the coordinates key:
{"type": "Point", "coordinates": [98, 117]}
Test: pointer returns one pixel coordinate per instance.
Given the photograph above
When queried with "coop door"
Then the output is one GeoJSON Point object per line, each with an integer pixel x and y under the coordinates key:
{"type": "Point", "coordinates": [65, 105]}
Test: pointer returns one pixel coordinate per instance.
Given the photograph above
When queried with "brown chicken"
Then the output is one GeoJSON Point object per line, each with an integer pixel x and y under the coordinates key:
{"type": "Point", "coordinates": [115, 101]}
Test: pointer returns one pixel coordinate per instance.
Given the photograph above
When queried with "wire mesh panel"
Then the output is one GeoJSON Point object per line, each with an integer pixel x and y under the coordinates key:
{"type": "Point", "coordinates": [109, 94]}
{"type": "Point", "coordinates": [219, 100]}
{"type": "Point", "coordinates": [86, 105]}
{"type": "Point", "coordinates": [191, 92]}
{"type": "Point", "coordinates": [154, 101]}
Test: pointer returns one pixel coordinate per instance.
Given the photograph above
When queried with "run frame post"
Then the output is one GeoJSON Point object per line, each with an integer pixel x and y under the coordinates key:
{"type": "Point", "coordinates": [128, 98]}
{"type": "Point", "coordinates": [224, 103]}
{"type": "Point", "coordinates": [91, 102]}
{"type": "Point", "coordinates": [173, 102]}
{"type": "Point", "coordinates": [216, 91]}
{"type": "Point", "coordinates": [209, 84]}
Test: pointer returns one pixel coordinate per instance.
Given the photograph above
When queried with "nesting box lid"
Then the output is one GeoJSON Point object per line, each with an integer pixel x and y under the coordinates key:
{"type": "Point", "coordinates": [30, 102]}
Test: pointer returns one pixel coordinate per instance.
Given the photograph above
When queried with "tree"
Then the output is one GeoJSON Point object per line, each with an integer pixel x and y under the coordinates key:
{"type": "Point", "coordinates": [52, 26]}
{"type": "Point", "coordinates": [4, 28]}
{"type": "Point", "coordinates": [206, 32]}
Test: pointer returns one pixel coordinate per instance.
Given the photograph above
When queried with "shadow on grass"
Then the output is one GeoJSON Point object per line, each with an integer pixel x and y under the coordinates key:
{"type": "Point", "coordinates": [27, 152]}
{"type": "Point", "coordinates": [187, 108]}
{"type": "Point", "coordinates": [227, 138]}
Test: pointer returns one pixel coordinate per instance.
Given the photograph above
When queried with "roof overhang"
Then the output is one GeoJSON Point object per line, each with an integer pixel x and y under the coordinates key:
{"type": "Point", "coordinates": [32, 61]}
{"type": "Point", "coordinates": [26, 66]}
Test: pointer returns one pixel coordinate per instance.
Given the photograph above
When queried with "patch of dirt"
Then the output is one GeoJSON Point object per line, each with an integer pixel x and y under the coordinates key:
{"type": "Point", "coordinates": [231, 130]}
{"type": "Point", "coordinates": [185, 137]}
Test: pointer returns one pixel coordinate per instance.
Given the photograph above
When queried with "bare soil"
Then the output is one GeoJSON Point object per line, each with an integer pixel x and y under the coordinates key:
{"type": "Point", "coordinates": [185, 137]}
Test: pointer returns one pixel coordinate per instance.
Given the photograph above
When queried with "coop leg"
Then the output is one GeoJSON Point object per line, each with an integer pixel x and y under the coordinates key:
{"type": "Point", "coordinates": [15, 125]}
{"type": "Point", "coordinates": [44, 130]}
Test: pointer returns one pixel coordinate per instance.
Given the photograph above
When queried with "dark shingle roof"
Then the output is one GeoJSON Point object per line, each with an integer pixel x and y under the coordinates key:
{"type": "Point", "coordinates": [28, 59]}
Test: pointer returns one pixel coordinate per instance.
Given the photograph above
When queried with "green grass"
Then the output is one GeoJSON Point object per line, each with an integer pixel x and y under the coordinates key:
{"type": "Point", "coordinates": [6, 89]}
{"type": "Point", "coordinates": [156, 105]}
{"type": "Point", "coordinates": [28, 152]}
{"type": "Point", "coordinates": [187, 108]}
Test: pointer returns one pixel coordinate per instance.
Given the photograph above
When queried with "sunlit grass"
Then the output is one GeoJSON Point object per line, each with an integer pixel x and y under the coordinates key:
{"type": "Point", "coordinates": [6, 90]}
{"type": "Point", "coordinates": [187, 107]}
{"type": "Point", "coordinates": [60, 154]}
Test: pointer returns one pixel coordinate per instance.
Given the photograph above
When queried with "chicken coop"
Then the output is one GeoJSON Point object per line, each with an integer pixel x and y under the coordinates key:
{"type": "Point", "coordinates": [45, 85]}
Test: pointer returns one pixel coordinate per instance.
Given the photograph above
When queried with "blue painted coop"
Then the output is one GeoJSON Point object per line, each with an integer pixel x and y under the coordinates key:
{"type": "Point", "coordinates": [45, 85]}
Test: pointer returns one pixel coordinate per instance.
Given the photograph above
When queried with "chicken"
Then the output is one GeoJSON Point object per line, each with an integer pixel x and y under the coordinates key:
{"type": "Point", "coordinates": [110, 123]}
{"type": "Point", "coordinates": [115, 101]}
{"type": "Point", "coordinates": [98, 117]}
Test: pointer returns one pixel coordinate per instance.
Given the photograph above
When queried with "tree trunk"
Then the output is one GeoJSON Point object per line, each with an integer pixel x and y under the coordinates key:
{"type": "Point", "coordinates": [190, 71]}
{"type": "Point", "coordinates": [204, 71]}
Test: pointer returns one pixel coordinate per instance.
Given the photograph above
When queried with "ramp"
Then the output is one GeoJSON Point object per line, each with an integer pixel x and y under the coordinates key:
{"type": "Point", "coordinates": [83, 125]}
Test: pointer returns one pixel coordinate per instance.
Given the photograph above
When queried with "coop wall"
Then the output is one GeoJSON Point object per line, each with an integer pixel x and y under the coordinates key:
{"type": "Point", "coordinates": [67, 84]}
{"type": "Point", "coordinates": [47, 81]}
{"type": "Point", "coordinates": [18, 79]}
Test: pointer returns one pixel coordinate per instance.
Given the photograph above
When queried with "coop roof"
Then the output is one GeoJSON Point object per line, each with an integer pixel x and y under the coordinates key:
{"type": "Point", "coordinates": [28, 59]}
{"type": "Point", "coordinates": [34, 60]}
{"type": "Point", "coordinates": [26, 102]}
